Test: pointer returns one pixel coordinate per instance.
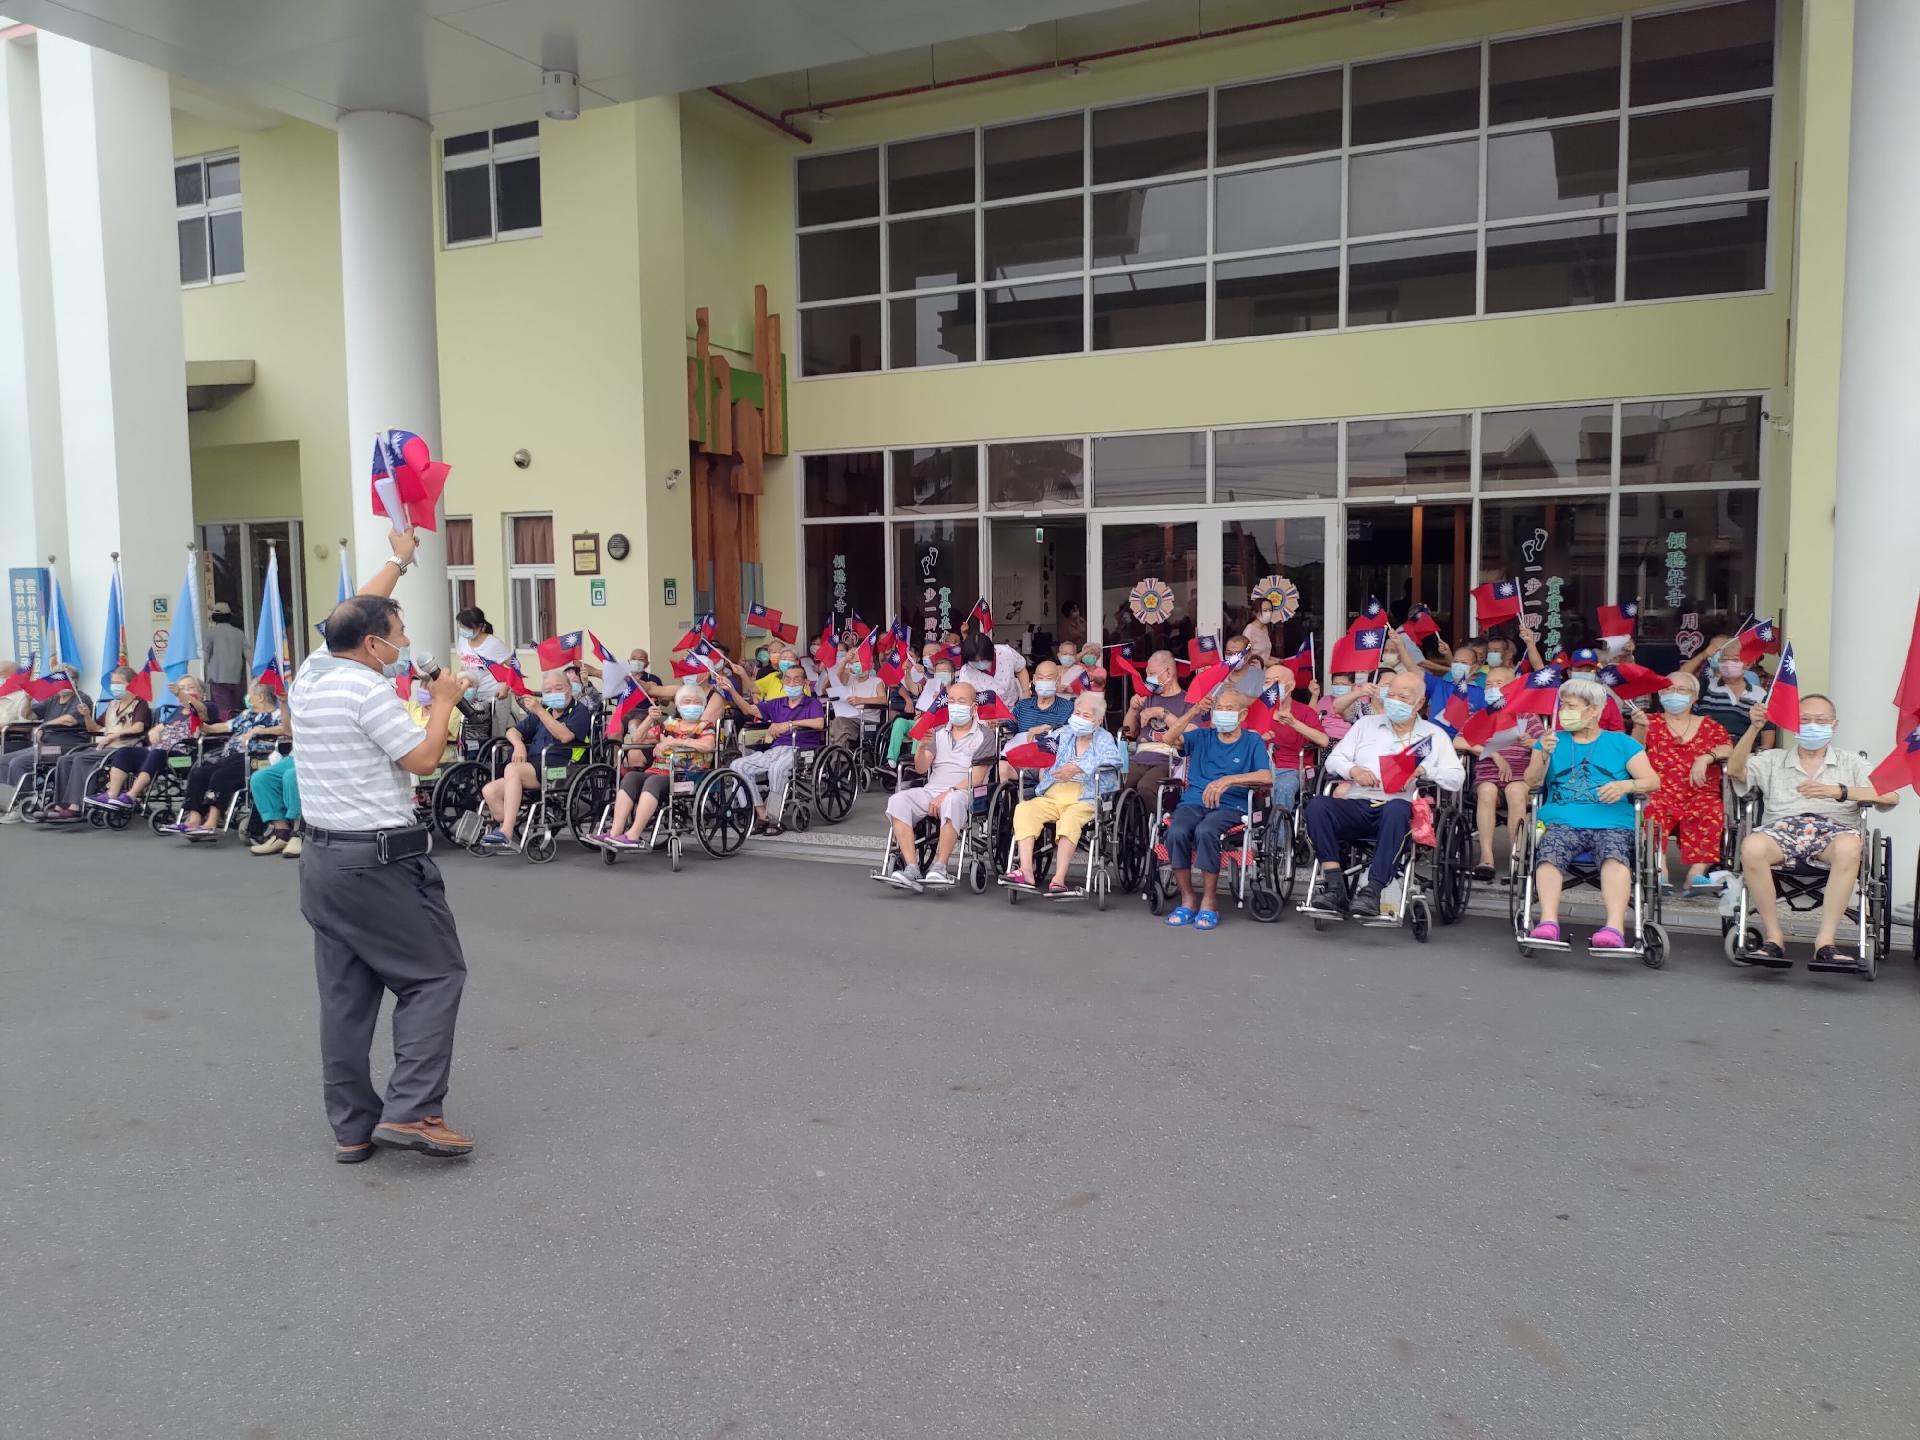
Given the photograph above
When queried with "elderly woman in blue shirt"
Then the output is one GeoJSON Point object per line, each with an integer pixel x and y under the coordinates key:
{"type": "Point", "coordinates": [1085, 768]}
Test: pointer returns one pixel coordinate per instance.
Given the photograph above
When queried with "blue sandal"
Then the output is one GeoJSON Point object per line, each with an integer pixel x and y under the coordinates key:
{"type": "Point", "coordinates": [1180, 915]}
{"type": "Point", "coordinates": [1206, 920]}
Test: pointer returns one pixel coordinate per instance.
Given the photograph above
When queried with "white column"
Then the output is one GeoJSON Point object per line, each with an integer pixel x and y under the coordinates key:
{"type": "Point", "coordinates": [30, 486]}
{"type": "Point", "coordinates": [108, 142]}
{"type": "Point", "coordinates": [393, 357]}
{"type": "Point", "coordinates": [1876, 524]}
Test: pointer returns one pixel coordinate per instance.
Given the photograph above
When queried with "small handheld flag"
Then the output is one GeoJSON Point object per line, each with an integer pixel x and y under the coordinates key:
{"type": "Point", "coordinates": [931, 721]}
{"type": "Point", "coordinates": [1459, 706]}
{"type": "Point", "coordinates": [760, 617]}
{"type": "Point", "coordinates": [1628, 681]}
{"type": "Point", "coordinates": [1901, 768]}
{"type": "Point", "coordinates": [1618, 620]}
{"type": "Point", "coordinates": [991, 707]}
{"type": "Point", "coordinates": [1358, 651]}
{"type": "Point", "coordinates": [1203, 650]}
{"type": "Point", "coordinates": [1783, 699]}
{"type": "Point", "coordinates": [982, 615]}
{"type": "Point", "coordinates": [1421, 625]}
{"type": "Point", "coordinates": [561, 650]}
{"type": "Point", "coordinates": [407, 480]}
{"type": "Point", "coordinates": [1535, 693]}
{"type": "Point", "coordinates": [1207, 681]}
{"type": "Point", "coordinates": [1372, 616]}
{"type": "Point", "coordinates": [1399, 767]}
{"type": "Point", "coordinates": [826, 649]}
{"type": "Point", "coordinates": [1301, 662]}
{"type": "Point", "coordinates": [508, 673]}
{"type": "Point", "coordinates": [1497, 600]}
{"type": "Point", "coordinates": [142, 684]}
{"type": "Point", "coordinates": [1760, 638]}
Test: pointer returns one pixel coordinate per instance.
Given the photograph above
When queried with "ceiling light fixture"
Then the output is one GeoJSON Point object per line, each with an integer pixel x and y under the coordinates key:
{"type": "Point", "coordinates": [560, 95]}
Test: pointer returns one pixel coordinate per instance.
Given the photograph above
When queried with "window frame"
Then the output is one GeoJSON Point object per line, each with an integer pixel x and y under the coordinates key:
{"type": "Point", "coordinates": [208, 206]}
{"type": "Point", "coordinates": [532, 573]}
{"type": "Point", "coordinates": [458, 575]}
{"type": "Point", "coordinates": [1621, 212]}
{"type": "Point", "coordinates": [495, 154]}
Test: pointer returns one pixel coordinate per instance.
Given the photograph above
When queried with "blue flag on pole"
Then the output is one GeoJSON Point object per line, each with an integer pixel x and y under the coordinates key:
{"type": "Point", "coordinates": [62, 648]}
{"type": "Point", "coordinates": [270, 634]}
{"type": "Point", "coordinates": [183, 642]}
{"type": "Point", "coordinates": [113, 647]}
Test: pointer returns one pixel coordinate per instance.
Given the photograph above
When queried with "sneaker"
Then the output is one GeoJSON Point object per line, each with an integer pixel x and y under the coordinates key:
{"type": "Point", "coordinates": [272, 845]}
{"type": "Point", "coordinates": [122, 802]}
{"type": "Point", "coordinates": [12, 817]}
{"type": "Point", "coordinates": [292, 852]}
{"type": "Point", "coordinates": [907, 877]}
{"type": "Point", "coordinates": [1366, 902]}
{"type": "Point", "coordinates": [101, 799]}
{"type": "Point", "coordinates": [1331, 893]}
{"type": "Point", "coordinates": [937, 875]}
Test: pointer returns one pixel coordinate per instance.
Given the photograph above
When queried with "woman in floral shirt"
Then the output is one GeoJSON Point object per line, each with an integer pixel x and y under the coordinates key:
{"type": "Point", "coordinates": [250, 733]}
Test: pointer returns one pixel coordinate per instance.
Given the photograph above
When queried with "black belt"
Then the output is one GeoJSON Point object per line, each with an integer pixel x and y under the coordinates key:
{"type": "Point", "coordinates": [401, 843]}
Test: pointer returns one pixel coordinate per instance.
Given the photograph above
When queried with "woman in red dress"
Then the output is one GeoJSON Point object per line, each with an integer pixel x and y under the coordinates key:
{"type": "Point", "coordinates": [1687, 751]}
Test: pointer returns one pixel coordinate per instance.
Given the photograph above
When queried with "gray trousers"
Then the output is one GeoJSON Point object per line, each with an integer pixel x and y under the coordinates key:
{"type": "Point", "coordinates": [378, 928]}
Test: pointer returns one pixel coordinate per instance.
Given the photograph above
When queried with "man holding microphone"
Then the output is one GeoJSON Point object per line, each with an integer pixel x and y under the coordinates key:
{"type": "Point", "coordinates": [367, 886]}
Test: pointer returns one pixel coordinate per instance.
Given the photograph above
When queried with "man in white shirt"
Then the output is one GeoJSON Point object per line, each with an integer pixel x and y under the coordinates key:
{"type": "Point", "coordinates": [854, 692]}
{"type": "Point", "coordinates": [1368, 812]}
{"type": "Point", "coordinates": [955, 759]}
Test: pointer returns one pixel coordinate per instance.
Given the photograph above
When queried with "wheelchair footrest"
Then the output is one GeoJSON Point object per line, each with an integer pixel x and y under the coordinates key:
{"type": "Point", "coordinates": [1378, 922]}
{"type": "Point", "coordinates": [1563, 946]}
{"type": "Point", "coordinates": [1839, 965]}
{"type": "Point", "coordinates": [1323, 912]}
{"type": "Point", "coordinates": [1631, 952]}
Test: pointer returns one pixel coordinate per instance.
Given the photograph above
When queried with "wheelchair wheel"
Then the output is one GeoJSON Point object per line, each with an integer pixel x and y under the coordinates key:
{"type": "Point", "coordinates": [676, 847]}
{"type": "Point", "coordinates": [836, 783]}
{"type": "Point", "coordinates": [979, 875]}
{"type": "Point", "coordinates": [1734, 942]}
{"type": "Point", "coordinates": [1282, 843]}
{"type": "Point", "coordinates": [1880, 899]}
{"type": "Point", "coordinates": [120, 817]}
{"type": "Point", "coordinates": [1653, 943]}
{"type": "Point", "coordinates": [1422, 919]}
{"type": "Point", "coordinates": [159, 818]}
{"type": "Point", "coordinates": [456, 793]}
{"type": "Point", "coordinates": [493, 756]}
{"type": "Point", "coordinates": [722, 813]}
{"type": "Point", "coordinates": [1130, 847]}
{"type": "Point", "coordinates": [1264, 904]}
{"type": "Point", "coordinates": [1101, 883]}
{"type": "Point", "coordinates": [608, 857]}
{"type": "Point", "coordinates": [1451, 875]}
{"type": "Point", "coordinates": [798, 818]}
{"type": "Point", "coordinates": [589, 793]}
{"type": "Point", "coordinates": [1000, 829]}
{"type": "Point", "coordinates": [1155, 897]}
{"type": "Point", "coordinates": [542, 845]}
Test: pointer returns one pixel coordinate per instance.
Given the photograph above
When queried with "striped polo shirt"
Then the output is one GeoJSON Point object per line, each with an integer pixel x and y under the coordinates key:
{"type": "Point", "coordinates": [350, 728]}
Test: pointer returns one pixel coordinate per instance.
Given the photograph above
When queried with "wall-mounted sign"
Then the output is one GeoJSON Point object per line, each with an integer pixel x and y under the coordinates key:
{"type": "Point", "coordinates": [670, 592]}
{"type": "Point", "coordinates": [1151, 601]}
{"type": "Point", "coordinates": [586, 552]}
{"type": "Point", "coordinates": [617, 547]}
{"type": "Point", "coordinates": [27, 596]}
{"type": "Point", "coordinates": [597, 592]}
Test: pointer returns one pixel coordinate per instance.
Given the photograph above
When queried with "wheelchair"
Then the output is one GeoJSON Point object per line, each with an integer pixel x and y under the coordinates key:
{"type": "Point", "coordinates": [1649, 942]}
{"type": "Point", "coordinates": [671, 822]}
{"type": "Point", "coordinates": [1801, 890]}
{"type": "Point", "coordinates": [1249, 850]}
{"type": "Point", "coordinates": [973, 856]}
{"type": "Point", "coordinates": [1423, 878]}
{"type": "Point", "coordinates": [723, 804]}
{"type": "Point", "coordinates": [1098, 842]}
{"type": "Point", "coordinates": [543, 812]}
{"type": "Point", "coordinates": [34, 796]}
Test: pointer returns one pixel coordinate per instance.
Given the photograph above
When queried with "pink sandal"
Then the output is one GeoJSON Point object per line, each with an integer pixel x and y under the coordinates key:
{"type": "Point", "coordinates": [1607, 939]}
{"type": "Point", "coordinates": [1548, 930]}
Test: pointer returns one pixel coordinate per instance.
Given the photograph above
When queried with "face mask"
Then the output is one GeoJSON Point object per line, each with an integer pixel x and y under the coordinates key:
{"type": "Point", "coordinates": [1493, 659]}
{"type": "Point", "coordinates": [692, 712]}
{"type": "Point", "coordinates": [1495, 699]}
{"type": "Point", "coordinates": [1090, 659]}
{"type": "Point", "coordinates": [554, 699]}
{"type": "Point", "coordinates": [1044, 689]}
{"type": "Point", "coordinates": [943, 677]}
{"type": "Point", "coordinates": [1675, 702]}
{"type": "Point", "coordinates": [759, 657]}
{"type": "Point", "coordinates": [1814, 737]}
{"type": "Point", "coordinates": [856, 669]}
{"type": "Point", "coordinates": [1458, 671]}
{"type": "Point", "coordinates": [983, 666]}
{"type": "Point", "coordinates": [1226, 721]}
{"type": "Point", "coordinates": [639, 664]}
{"type": "Point", "coordinates": [576, 687]}
{"type": "Point", "coordinates": [466, 637]}
{"type": "Point", "coordinates": [1067, 657]}
{"type": "Point", "coordinates": [471, 696]}
{"type": "Point", "coordinates": [1731, 669]}
{"type": "Point", "coordinates": [960, 713]}
{"type": "Point", "coordinates": [1398, 711]}
{"type": "Point", "coordinates": [116, 689]}
{"type": "Point", "coordinates": [402, 660]}
{"type": "Point", "coordinates": [785, 663]}
{"type": "Point", "coordinates": [794, 692]}
{"type": "Point", "coordinates": [1080, 724]}
{"type": "Point", "coordinates": [1572, 719]}
{"type": "Point", "coordinates": [1338, 690]}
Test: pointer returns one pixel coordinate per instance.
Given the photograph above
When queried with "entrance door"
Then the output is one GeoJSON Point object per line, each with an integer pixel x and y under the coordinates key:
{"type": "Point", "coordinates": [1291, 554]}
{"type": "Point", "coordinates": [1145, 581]}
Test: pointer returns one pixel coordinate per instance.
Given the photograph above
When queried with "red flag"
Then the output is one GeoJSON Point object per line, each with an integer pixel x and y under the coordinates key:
{"type": "Point", "coordinates": [1459, 707]}
{"type": "Point", "coordinates": [1301, 662]}
{"type": "Point", "coordinates": [982, 615]}
{"type": "Point", "coordinates": [928, 723]}
{"type": "Point", "coordinates": [142, 684]}
{"type": "Point", "coordinates": [1206, 682]}
{"type": "Point", "coordinates": [1901, 768]}
{"type": "Point", "coordinates": [1618, 620]}
{"type": "Point", "coordinates": [1123, 663]}
{"type": "Point", "coordinates": [1535, 693]}
{"type": "Point", "coordinates": [1372, 617]}
{"type": "Point", "coordinates": [1202, 651]}
{"type": "Point", "coordinates": [989, 706]}
{"type": "Point", "coordinates": [1028, 757]}
{"type": "Point", "coordinates": [858, 628]}
{"type": "Point", "coordinates": [1628, 681]}
{"type": "Point", "coordinates": [1783, 700]}
{"type": "Point", "coordinates": [1497, 600]}
{"type": "Point", "coordinates": [892, 670]}
{"type": "Point", "coordinates": [826, 650]}
{"type": "Point", "coordinates": [1353, 654]}
{"type": "Point", "coordinates": [865, 653]}
{"type": "Point", "coordinates": [634, 697]}
{"type": "Point", "coordinates": [1420, 625]}
{"type": "Point", "coordinates": [763, 617]}
{"type": "Point", "coordinates": [1760, 638]}
{"type": "Point", "coordinates": [507, 672]}
{"type": "Point", "coordinates": [1397, 769]}
{"type": "Point", "coordinates": [1481, 726]}
{"type": "Point", "coordinates": [1906, 695]}
{"type": "Point", "coordinates": [48, 686]}
{"type": "Point", "coordinates": [561, 650]}
{"type": "Point", "coordinates": [1260, 720]}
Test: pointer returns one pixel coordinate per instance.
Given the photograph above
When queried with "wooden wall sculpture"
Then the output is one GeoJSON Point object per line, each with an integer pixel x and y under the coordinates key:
{"type": "Point", "coordinates": [735, 420]}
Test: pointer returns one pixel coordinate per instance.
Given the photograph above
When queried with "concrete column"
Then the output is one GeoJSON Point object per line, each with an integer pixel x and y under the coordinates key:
{"type": "Point", "coordinates": [30, 477]}
{"type": "Point", "coordinates": [393, 363]}
{"type": "Point", "coordinates": [1876, 528]}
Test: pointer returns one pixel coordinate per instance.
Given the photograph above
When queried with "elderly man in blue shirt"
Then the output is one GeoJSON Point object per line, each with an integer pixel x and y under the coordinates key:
{"type": "Point", "coordinates": [1086, 768]}
{"type": "Point", "coordinates": [1039, 718]}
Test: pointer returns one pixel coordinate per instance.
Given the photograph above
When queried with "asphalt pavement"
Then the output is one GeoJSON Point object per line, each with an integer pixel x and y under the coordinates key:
{"type": "Point", "coordinates": [767, 1150]}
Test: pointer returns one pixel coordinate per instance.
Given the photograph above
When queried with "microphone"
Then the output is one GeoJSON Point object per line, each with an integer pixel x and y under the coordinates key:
{"type": "Point", "coordinates": [426, 666]}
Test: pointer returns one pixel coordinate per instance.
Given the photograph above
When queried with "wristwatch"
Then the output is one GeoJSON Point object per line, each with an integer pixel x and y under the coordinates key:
{"type": "Point", "coordinates": [404, 565]}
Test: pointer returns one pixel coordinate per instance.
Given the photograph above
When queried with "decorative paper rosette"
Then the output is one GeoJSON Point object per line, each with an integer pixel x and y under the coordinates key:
{"type": "Point", "coordinates": [1279, 592]}
{"type": "Point", "coordinates": [1151, 601]}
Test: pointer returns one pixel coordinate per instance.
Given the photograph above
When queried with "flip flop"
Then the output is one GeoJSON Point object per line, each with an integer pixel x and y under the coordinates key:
{"type": "Point", "coordinates": [1207, 920]}
{"type": "Point", "coordinates": [1056, 890]}
{"type": "Point", "coordinates": [1180, 915]}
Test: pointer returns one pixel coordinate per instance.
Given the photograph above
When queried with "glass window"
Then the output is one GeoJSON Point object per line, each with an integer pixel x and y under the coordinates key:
{"type": "Point", "coordinates": [206, 194]}
{"type": "Point", "coordinates": [1402, 280]}
{"type": "Point", "coordinates": [1542, 172]}
{"type": "Point", "coordinates": [1417, 95]}
{"type": "Point", "coordinates": [1562, 544]}
{"type": "Point", "coordinates": [835, 264]}
{"type": "Point", "coordinates": [937, 567]}
{"type": "Point", "coordinates": [1277, 294]}
{"type": "Point", "coordinates": [1690, 442]}
{"type": "Point", "coordinates": [1295, 116]}
{"type": "Point", "coordinates": [1710, 250]}
{"type": "Point", "coordinates": [930, 174]}
{"type": "Point", "coordinates": [193, 251]}
{"type": "Point", "coordinates": [1295, 547]}
{"type": "Point", "coordinates": [840, 339]}
{"type": "Point", "coordinates": [921, 253]}
{"type": "Point", "coordinates": [843, 484]}
{"type": "Point", "coordinates": [459, 539]}
{"type": "Point", "coordinates": [1544, 267]}
{"type": "Point", "coordinates": [530, 580]}
{"type": "Point", "coordinates": [934, 330]}
{"type": "Point", "coordinates": [468, 144]}
{"type": "Point", "coordinates": [1418, 189]}
{"type": "Point", "coordinates": [1688, 557]}
{"type": "Point", "coordinates": [1168, 469]}
{"type": "Point", "coordinates": [1159, 137]}
{"type": "Point", "coordinates": [1038, 584]}
{"type": "Point", "coordinates": [1538, 449]}
{"type": "Point", "coordinates": [1150, 307]}
{"type": "Point", "coordinates": [1684, 154]}
{"type": "Point", "coordinates": [517, 195]}
{"type": "Point", "coordinates": [490, 184]}
{"type": "Point", "coordinates": [1150, 222]}
{"type": "Point", "coordinates": [223, 234]}
{"type": "Point", "coordinates": [1288, 205]}
{"type": "Point", "coordinates": [845, 574]}
{"type": "Point", "coordinates": [1035, 474]}
{"type": "Point", "coordinates": [1430, 450]}
{"type": "Point", "coordinates": [1715, 51]}
{"type": "Point", "coordinates": [189, 184]}
{"type": "Point", "coordinates": [1043, 238]}
{"type": "Point", "coordinates": [1035, 157]}
{"type": "Point", "coordinates": [1168, 553]}
{"type": "Point", "coordinates": [1282, 462]}
{"type": "Point", "coordinates": [223, 177]}
{"type": "Point", "coordinates": [1539, 77]}
{"type": "Point", "coordinates": [1408, 555]}
{"type": "Point", "coordinates": [943, 477]}
{"type": "Point", "coordinates": [469, 208]}
{"type": "Point", "coordinates": [1044, 319]}
{"type": "Point", "coordinates": [831, 188]}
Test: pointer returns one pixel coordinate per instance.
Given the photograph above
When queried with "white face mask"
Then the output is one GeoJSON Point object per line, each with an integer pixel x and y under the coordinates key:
{"type": "Point", "coordinates": [1045, 688]}
{"type": "Point", "coordinates": [960, 713]}
{"type": "Point", "coordinates": [1226, 721]}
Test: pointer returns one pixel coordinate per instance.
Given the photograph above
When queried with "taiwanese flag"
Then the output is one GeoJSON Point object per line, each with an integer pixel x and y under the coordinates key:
{"type": "Point", "coordinates": [1357, 651]}
{"type": "Point", "coordinates": [142, 684]}
{"type": "Point", "coordinates": [1397, 769]}
{"type": "Point", "coordinates": [989, 706]}
{"type": "Point", "coordinates": [1202, 651]}
{"type": "Point", "coordinates": [698, 662]}
{"type": "Point", "coordinates": [601, 654]}
{"type": "Point", "coordinates": [928, 723]}
{"type": "Point", "coordinates": [507, 672]}
{"type": "Point", "coordinates": [1783, 700]}
{"type": "Point", "coordinates": [865, 653]}
{"type": "Point", "coordinates": [1628, 681]}
{"type": "Point", "coordinates": [1762, 638]}
{"type": "Point", "coordinates": [405, 468]}
{"type": "Point", "coordinates": [701, 629]}
{"type": "Point", "coordinates": [633, 698]}
{"type": "Point", "coordinates": [1497, 600]}
{"type": "Point", "coordinates": [1901, 768]}
{"type": "Point", "coordinates": [858, 628]}
{"type": "Point", "coordinates": [45, 687]}
{"type": "Point", "coordinates": [560, 651]}
{"type": "Point", "coordinates": [982, 615]}
{"type": "Point", "coordinates": [1373, 617]}
{"type": "Point", "coordinates": [1030, 756]}
{"type": "Point", "coordinates": [901, 631]}
{"type": "Point", "coordinates": [1618, 620]}
{"type": "Point", "coordinates": [1301, 662]}
{"type": "Point", "coordinates": [17, 681]}
{"type": "Point", "coordinates": [1535, 693]}
{"type": "Point", "coordinates": [1123, 662]}
{"type": "Point", "coordinates": [826, 649]}
{"type": "Point", "coordinates": [1420, 626]}
{"type": "Point", "coordinates": [759, 617]}
{"type": "Point", "coordinates": [1207, 681]}
{"type": "Point", "coordinates": [1459, 707]}
{"type": "Point", "coordinates": [890, 670]}
{"type": "Point", "coordinates": [1480, 726]}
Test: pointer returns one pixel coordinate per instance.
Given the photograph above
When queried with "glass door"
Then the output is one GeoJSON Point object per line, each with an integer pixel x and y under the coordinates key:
{"type": "Point", "coordinates": [1146, 581]}
{"type": "Point", "coordinates": [1287, 558]}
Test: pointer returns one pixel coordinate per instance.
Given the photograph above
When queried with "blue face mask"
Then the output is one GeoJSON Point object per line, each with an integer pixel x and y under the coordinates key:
{"type": "Point", "coordinates": [577, 687]}
{"type": "Point", "coordinates": [692, 712]}
{"type": "Point", "coordinates": [1080, 724]}
{"type": "Point", "coordinates": [794, 692]}
{"type": "Point", "coordinates": [402, 660]}
{"type": "Point", "coordinates": [1044, 689]}
{"type": "Point", "coordinates": [1675, 702]}
{"type": "Point", "coordinates": [1398, 711]}
{"type": "Point", "coordinates": [1338, 690]}
{"type": "Point", "coordinates": [1458, 671]}
{"type": "Point", "coordinates": [1495, 698]}
{"type": "Point", "coordinates": [1814, 737]}
{"type": "Point", "coordinates": [1226, 721]}
{"type": "Point", "coordinates": [786, 663]}
{"type": "Point", "coordinates": [471, 696]}
{"type": "Point", "coordinates": [116, 689]}
{"type": "Point", "coordinates": [554, 699]}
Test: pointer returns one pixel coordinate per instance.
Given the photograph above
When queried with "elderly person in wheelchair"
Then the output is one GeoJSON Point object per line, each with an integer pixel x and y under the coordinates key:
{"type": "Point", "coordinates": [1810, 806]}
{"type": "Point", "coordinates": [1364, 810]}
{"type": "Point", "coordinates": [558, 722]}
{"type": "Point", "coordinates": [794, 721]}
{"type": "Point", "coordinates": [683, 746]}
{"type": "Point", "coordinates": [956, 758]}
{"type": "Point", "coordinates": [1590, 775]}
{"type": "Point", "coordinates": [1086, 769]}
{"type": "Point", "coordinates": [1222, 763]}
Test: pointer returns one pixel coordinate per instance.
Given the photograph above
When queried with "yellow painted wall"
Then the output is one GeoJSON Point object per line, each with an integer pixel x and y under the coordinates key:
{"type": "Point", "coordinates": [280, 447]}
